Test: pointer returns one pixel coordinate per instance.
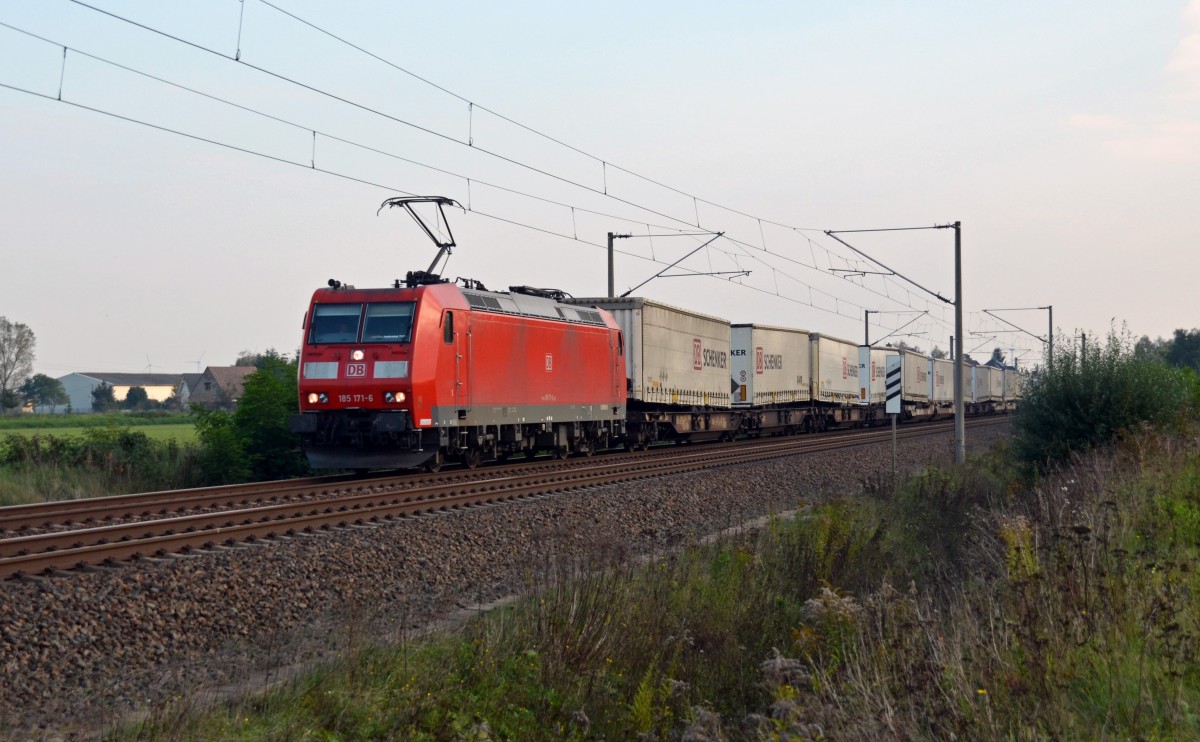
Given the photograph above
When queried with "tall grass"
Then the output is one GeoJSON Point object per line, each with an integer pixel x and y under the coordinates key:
{"type": "Point", "coordinates": [101, 462]}
{"type": "Point", "coordinates": [959, 605]}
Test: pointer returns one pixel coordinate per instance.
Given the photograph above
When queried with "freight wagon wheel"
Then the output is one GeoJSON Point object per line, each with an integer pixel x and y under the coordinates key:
{"type": "Point", "coordinates": [471, 458]}
{"type": "Point", "coordinates": [562, 452]}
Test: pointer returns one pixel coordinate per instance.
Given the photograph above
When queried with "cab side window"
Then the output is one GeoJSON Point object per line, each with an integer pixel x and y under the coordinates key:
{"type": "Point", "coordinates": [448, 328]}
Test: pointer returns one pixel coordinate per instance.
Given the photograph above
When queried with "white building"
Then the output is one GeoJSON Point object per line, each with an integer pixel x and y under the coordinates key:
{"type": "Point", "coordinates": [79, 386]}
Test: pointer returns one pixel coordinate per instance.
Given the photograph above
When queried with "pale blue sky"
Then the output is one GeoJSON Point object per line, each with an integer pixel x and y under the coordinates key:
{"type": "Point", "coordinates": [1065, 136]}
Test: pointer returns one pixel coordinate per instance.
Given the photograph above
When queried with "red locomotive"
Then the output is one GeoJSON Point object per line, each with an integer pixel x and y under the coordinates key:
{"type": "Point", "coordinates": [429, 370]}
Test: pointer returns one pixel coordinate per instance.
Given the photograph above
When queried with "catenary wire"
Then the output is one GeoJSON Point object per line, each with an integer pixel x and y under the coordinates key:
{"type": "Point", "coordinates": [441, 135]}
{"type": "Point", "coordinates": [838, 302]}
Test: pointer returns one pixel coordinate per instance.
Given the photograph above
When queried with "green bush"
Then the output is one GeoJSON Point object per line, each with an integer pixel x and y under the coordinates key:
{"type": "Point", "coordinates": [223, 458]}
{"type": "Point", "coordinates": [253, 442]}
{"type": "Point", "coordinates": [1092, 393]}
{"type": "Point", "coordinates": [115, 459]}
{"type": "Point", "coordinates": [261, 420]}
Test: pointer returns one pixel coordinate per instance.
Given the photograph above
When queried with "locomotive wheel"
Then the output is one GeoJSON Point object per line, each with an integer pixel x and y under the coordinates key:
{"type": "Point", "coordinates": [471, 458]}
{"type": "Point", "coordinates": [434, 463]}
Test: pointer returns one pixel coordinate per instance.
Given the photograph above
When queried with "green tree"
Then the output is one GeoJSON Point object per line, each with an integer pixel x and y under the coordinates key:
{"type": "Point", "coordinates": [261, 419]}
{"type": "Point", "coordinates": [262, 360]}
{"type": "Point", "coordinates": [901, 345]}
{"type": "Point", "coordinates": [1153, 349]}
{"type": "Point", "coordinates": [136, 399]}
{"type": "Point", "coordinates": [1183, 350]}
{"type": "Point", "coordinates": [998, 356]}
{"type": "Point", "coordinates": [222, 458]}
{"type": "Point", "coordinates": [103, 398]}
{"type": "Point", "coordinates": [43, 391]}
{"type": "Point", "coordinates": [9, 400]}
{"type": "Point", "coordinates": [1092, 393]}
{"type": "Point", "coordinates": [937, 353]}
{"type": "Point", "coordinates": [17, 344]}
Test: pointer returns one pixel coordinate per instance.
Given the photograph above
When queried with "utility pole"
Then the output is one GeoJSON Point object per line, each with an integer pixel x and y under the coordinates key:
{"type": "Point", "coordinates": [612, 286]}
{"type": "Point", "coordinates": [960, 424]}
{"type": "Point", "coordinates": [1050, 338]}
{"type": "Point", "coordinates": [612, 283]}
{"type": "Point", "coordinates": [960, 430]}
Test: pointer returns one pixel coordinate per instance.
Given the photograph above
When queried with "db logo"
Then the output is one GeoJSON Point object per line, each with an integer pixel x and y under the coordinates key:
{"type": "Point", "coordinates": [549, 362]}
{"type": "Point", "coordinates": [697, 355]}
{"type": "Point", "coordinates": [758, 360]}
{"type": "Point", "coordinates": [356, 369]}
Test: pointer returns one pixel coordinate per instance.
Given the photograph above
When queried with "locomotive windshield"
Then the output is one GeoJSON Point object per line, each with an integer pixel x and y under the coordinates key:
{"type": "Point", "coordinates": [388, 323]}
{"type": "Point", "coordinates": [335, 323]}
{"type": "Point", "coordinates": [382, 322]}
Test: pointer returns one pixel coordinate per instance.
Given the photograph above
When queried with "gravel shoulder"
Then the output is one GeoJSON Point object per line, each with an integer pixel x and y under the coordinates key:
{"type": "Point", "coordinates": [88, 651]}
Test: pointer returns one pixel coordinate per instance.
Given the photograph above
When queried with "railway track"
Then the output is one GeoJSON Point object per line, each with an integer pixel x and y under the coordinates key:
{"type": "Point", "coordinates": [110, 530]}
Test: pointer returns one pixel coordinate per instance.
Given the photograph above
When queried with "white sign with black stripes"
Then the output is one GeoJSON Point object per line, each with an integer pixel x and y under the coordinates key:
{"type": "Point", "coordinates": [893, 385]}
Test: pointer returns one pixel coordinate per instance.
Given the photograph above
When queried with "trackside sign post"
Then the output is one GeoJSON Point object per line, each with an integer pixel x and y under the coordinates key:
{"type": "Point", "coordinates": [892, 406]}
{"type": "Point", "coordinates": [893, 385]}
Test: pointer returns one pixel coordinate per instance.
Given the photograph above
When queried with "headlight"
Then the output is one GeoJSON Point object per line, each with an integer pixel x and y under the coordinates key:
{"type": "Point", "coordinates": [312, 398]}
{"type": "Point", "coordinates": [357, 355]}
{"type": "Point", "coordinates": [323, 398]}
{"type": "Point", "coordinates": [393, 397]}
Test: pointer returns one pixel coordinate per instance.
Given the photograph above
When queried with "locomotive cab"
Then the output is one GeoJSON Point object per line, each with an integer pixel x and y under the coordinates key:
{"type": "Point", "coordinates": [356, 379]}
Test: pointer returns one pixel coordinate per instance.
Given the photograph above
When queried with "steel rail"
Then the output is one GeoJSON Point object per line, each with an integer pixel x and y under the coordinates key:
{"type": "Point", "coordinates": [64, 550]}
{"type": "Point", "coordinates": [18, 518]}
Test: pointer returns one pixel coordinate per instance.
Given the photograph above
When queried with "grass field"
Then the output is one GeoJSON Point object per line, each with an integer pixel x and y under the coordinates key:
{"type": "Point", "coordinates": [157, 426]}
{"type": "Point", "coordinates": [181, 432]}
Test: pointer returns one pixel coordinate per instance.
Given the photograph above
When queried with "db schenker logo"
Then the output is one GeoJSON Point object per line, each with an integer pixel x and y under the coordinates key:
{"type": "Point", "coordinates": [697, 355]}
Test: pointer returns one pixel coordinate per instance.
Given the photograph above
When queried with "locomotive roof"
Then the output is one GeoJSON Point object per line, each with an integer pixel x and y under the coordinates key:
{"type": "Point", "coordinates": [530, 306]}
{"type": "Point", "coordinates": [500, 302]}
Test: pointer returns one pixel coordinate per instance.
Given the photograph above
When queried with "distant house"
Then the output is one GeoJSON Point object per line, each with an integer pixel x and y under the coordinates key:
{"type": "Point", "coordinates": [187, 383]}
{"type": "Point", "coordinates": [79, 386]}
{"type": "Point", "coordinates": [220, 387]}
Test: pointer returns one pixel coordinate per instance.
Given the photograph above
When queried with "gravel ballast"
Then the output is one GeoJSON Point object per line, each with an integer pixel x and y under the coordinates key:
{"type": "Point", "coordinates": [85, 651]}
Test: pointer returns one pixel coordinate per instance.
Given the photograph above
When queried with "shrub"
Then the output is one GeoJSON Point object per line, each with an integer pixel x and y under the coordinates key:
{"type": "Point", "coordinates": [114, 459]}
{"type": "Point", "coordinates": [1092, 393]}
{"type": "Point", "coordinates": [223, 458]}
{"type": "Point", "coordinates": [261, 420]}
